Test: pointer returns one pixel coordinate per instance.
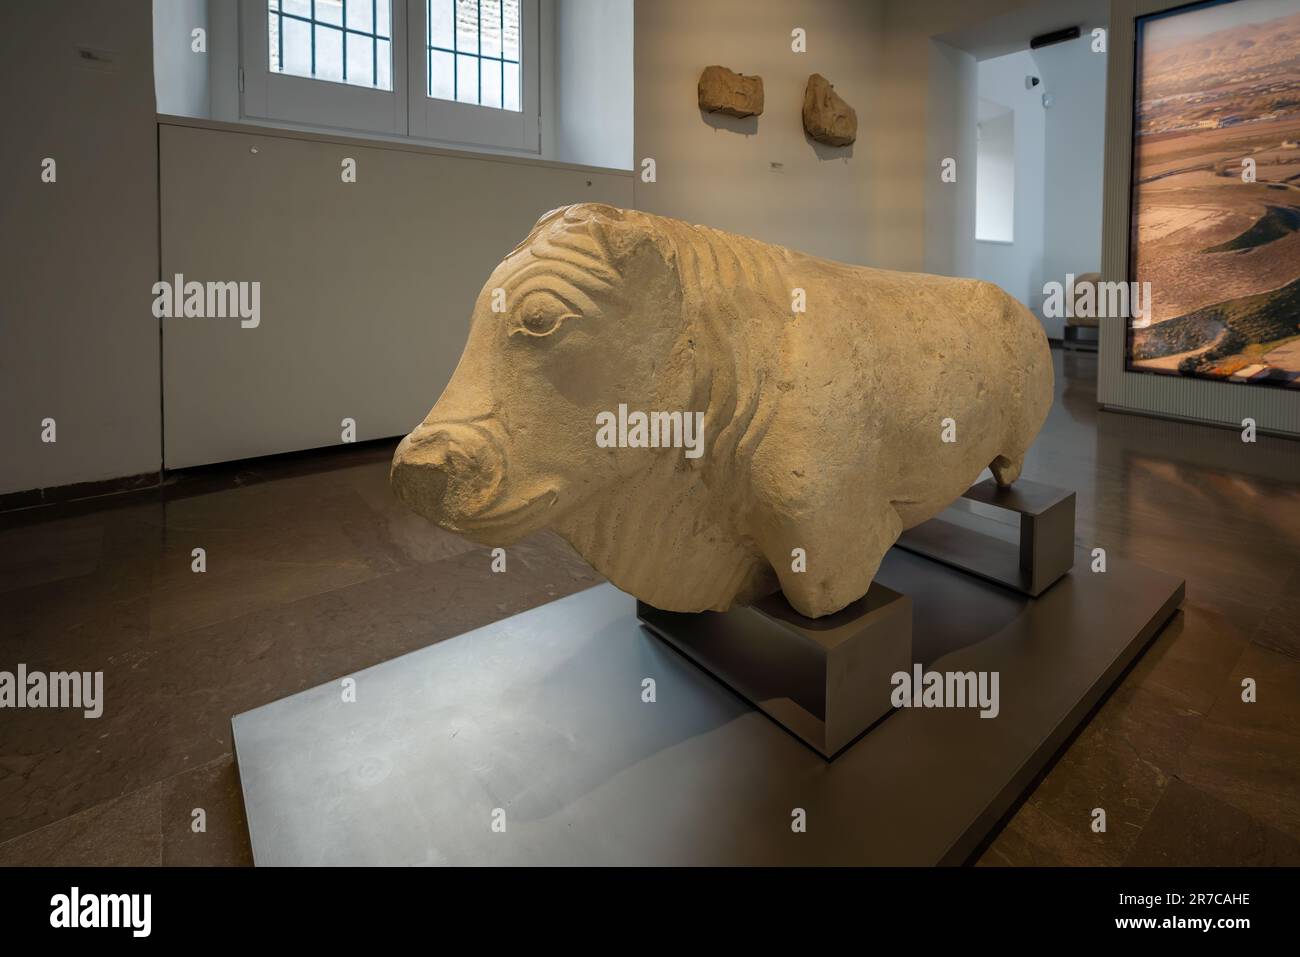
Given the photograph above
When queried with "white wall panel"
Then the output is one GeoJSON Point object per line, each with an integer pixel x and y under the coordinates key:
{"type": "Point", "coordinates": [366, 287]}
{"type": "Point", "coordinates": [77, 341]}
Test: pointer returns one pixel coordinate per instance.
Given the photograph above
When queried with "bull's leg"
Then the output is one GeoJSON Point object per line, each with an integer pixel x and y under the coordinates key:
{"type": "Point", "coordinates": [1006, 470]}
{"type": "Point", "coordinates": [838, 558]}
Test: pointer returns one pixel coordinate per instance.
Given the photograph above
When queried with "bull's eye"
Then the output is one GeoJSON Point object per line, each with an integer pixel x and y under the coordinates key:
{"type": "Point", "coordinates": [541, 314]}
{"type": "Point", "coordinates": [541, 323]}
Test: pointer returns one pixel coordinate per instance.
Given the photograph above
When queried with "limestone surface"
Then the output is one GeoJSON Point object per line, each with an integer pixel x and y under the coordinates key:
{"type": "Point", "coordinates": [725, 91]}
{"type": "Point", "coordinates": [826, 117]}
{"type": "Point", "coordinates": [820, 409]}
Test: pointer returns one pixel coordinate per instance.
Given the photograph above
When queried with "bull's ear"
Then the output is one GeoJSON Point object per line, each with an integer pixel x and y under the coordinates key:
{"type": "Point", "coordinates": [575, 213]}
{"type": "Point", "coordinates": [580, 213]}
{"type": "Point", "coordinates": [550, 216]}
{"type": "Point", "coordinates": [600, 212]}
{"type": "Point", "coordinates": [542, 222]}
{"type": "Point", "coordinates": [617, 234]}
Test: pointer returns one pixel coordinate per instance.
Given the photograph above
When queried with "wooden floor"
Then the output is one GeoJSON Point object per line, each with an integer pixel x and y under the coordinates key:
{"type": "Point", "coordinates": [315, 571]}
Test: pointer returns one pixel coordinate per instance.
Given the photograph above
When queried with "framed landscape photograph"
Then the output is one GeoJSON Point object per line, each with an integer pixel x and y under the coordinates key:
{"type": "Point", "coordinates": [1215, 213]}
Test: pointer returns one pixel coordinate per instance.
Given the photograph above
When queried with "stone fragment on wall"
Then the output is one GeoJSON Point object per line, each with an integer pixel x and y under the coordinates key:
{"type": "Point", "coordinates": [826, 117]}
{"type": "Point", "coordinates": [725, 91]}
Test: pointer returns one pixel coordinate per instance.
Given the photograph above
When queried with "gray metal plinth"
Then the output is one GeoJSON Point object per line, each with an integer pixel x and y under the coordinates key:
{"type": "Point", "coordinates": [1046, 548]}
{"type": "Point", "coordinates": [538, 721]}
{"type": "Point", "coordinates": [825, 679]}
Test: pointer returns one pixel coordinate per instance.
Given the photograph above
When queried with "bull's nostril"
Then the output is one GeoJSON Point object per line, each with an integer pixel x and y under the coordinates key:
{"type": "Point", "coordinates": [422, 484]}
{"type": "Point", "coordinates": [447, 471]}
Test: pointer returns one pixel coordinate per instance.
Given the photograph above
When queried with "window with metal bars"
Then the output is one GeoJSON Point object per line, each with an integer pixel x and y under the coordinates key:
{"type": "Point", "coordinates": [472, 51]}
{"type": "Point", "coordinates": [344, 41]}
{"type": "Point", "coordinates": [463, 72]}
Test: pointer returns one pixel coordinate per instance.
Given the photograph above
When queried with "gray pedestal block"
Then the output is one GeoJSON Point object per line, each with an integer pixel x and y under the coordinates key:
{"type": "Point", "coordinates": [1046, 547]}
{"type": "Point", "coordinates": [827, 680]}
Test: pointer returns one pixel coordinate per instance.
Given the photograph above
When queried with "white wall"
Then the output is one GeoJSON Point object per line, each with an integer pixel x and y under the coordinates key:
{"type": "Point", "coordinates": [718, 170]}
{"type": "Point", "coordinates": [593, 82]}
{"type": "Point", "coordinates": [1057, 158]}
{"type": "Point", "coordinates": [1074, 134]}
{"type": "Point", "coordinates": [77, 341]}
{"type": "Point", "coordinates": [1018, 266]}
{"type": "Point", "coordinates": [950, 135]}
{"type": "Point", "coordinates": [223, 60]}
{"type": "Point", "coordinates": [904, 171]}
{"type": "Point", "coordinates": [181, 82]}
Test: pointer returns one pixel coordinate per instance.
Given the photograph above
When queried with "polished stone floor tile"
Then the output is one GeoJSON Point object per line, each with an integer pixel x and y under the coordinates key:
{"type": "Point", "coordinates": [219, 836]}
{"type": "Point", "coordinates": [1248, 754]}
{"type": "Point", "coordinates": [1104, 769]}
{"type": "Point", "coordinates": [229, 591]}
{"type": "Point", "coordinates": [1279, 630]}
{"type": "Point", "coordinates": [122, 832]}
{"type": "Point", "coordinates": [1190, 659]}
{"type": "Point", "coordinates": [57, 762]}
{"type": "Point", "coordinates": [33, 556]}
{"type": "Point", "coordinates": [1192, 829]}
{"type": "Point", "coordinates": [1033, 839]}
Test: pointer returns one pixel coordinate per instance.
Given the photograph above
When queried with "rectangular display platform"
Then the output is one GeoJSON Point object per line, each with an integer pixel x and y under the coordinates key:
{"type": "Point", "coordinates": [539, 722]}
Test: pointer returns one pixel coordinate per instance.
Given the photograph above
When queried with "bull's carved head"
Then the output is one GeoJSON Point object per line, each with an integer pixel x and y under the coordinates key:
{"type": "Point", "coordinates": [590, 316]}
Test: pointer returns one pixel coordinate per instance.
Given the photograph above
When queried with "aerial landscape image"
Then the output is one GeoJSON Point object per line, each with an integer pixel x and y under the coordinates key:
{"type": "Point", "coordinates": [1216, 206]}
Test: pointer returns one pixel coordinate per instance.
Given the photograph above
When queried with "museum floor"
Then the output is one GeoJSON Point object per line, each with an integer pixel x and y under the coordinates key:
{"type": "Point", "coordinates": [315, 571]}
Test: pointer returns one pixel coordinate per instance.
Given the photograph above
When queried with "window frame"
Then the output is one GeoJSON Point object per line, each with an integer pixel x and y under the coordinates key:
{"type": "Point", "coordinates": [284, 98]}
{"type": "Point", "coordinates": [406, 111]}
{"type": "Point", "coordinates": [469, 123]}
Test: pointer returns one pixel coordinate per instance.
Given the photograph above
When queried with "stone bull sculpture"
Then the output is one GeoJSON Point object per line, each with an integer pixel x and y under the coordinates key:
{"type": "Point", "coordinates": [823, 430]}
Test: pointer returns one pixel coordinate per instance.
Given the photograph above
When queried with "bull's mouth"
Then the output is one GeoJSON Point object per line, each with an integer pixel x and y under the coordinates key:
{"type": "Point", "coordinates": [515, 518]}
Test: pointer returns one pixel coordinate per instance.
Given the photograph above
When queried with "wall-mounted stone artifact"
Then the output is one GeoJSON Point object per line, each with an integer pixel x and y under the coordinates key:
{"type": "Point", "coordinates": [724, 91]}
{"type": "Point", "coordinates": [826, 117]}
{"type": "Point", "coordinates": [645, 388]}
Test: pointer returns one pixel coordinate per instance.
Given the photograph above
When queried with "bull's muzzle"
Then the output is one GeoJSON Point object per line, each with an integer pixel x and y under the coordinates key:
{"type": "Point", "coordinates": [448, 472]}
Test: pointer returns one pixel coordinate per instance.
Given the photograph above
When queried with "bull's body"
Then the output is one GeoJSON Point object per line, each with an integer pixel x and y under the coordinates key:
{"type": "Point", "coordinates": [825, 428]}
